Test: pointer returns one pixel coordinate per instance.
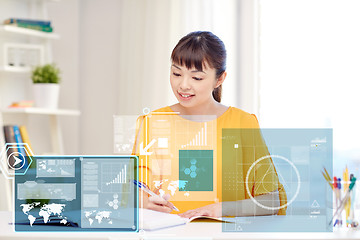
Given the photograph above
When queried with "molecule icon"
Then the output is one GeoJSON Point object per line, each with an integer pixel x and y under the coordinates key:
{"type": "Point", "coordinates": [115, 202]}
{"type": "Point", "coordinates": [192, 170]}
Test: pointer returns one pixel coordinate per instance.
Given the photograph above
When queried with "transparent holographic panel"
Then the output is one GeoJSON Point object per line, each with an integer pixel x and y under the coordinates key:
{"type": "Point", "coordinates": [108, 193]}
{"type": "Point", "coordinates": [59, 202]}
{"type": "Point", "coordinates": [56, 168]}
{"type": "Point", "coordinates": [196, 170]}
{"type": "Point", "coordinates": [181, 153]}
{"type": "Point", "coordinates": [34, 190]}
{"type": "Point", "coordinates": [125, 133]}
{"type": "Point", "coordinates": [47, 203]}
{"type": "Point", "coordinates": [278, 173]}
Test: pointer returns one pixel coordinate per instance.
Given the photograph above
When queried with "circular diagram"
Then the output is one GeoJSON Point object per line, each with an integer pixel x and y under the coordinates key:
{"type": "Point", "coordinates": [283, 159]}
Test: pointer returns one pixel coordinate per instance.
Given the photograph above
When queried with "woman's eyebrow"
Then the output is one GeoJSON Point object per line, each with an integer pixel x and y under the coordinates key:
{"type": "Point", "coordinates": [193, 71]}
{"type": "Point", "coordinates": [176, 66]}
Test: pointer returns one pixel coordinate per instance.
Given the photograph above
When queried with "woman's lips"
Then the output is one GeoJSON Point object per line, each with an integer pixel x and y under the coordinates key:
{"type": "Point", "coordinates": [186, 96]}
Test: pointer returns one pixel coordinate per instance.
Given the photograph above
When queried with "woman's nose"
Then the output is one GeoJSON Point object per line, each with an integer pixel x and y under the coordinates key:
{"type": "Point", "coordinates": [185, 83]}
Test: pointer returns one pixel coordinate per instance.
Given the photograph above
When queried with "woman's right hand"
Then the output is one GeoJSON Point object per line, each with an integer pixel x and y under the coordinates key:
{"type": "Point", "coordinates": [157, 203]}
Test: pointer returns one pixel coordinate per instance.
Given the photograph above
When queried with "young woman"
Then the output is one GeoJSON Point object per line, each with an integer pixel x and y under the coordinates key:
{"type": "Point", "coordinates": [198, 71]}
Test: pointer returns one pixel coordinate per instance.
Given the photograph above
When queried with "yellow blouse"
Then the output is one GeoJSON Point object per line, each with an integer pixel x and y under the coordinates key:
{"type": "Point", "coordinates": [174, 144]}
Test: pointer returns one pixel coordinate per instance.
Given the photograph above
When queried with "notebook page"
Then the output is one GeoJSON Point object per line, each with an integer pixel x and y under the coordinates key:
{"type": "Point", "coordinates": [151, 220]}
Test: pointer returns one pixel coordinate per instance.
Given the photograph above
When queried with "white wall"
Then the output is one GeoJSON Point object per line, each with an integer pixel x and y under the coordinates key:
{"type": "Point", "coordinates": [247, 56]}
{"type": "Point", "coordinates": [65, 18]}
{"type": "Point", "coordinates": [99, 73]}
{"type": "Point", "coordinates": [125, 49]}
{"type": "Point", "coordinates": [115, 58]}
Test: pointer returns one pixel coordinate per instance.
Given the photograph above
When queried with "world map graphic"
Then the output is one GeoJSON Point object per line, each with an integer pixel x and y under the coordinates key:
{"type": "Point", "coordinates": [35, 211]}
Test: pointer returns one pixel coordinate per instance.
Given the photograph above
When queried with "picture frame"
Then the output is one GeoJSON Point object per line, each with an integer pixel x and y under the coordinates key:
{"type": "Point", "coordinates": [20, 57]}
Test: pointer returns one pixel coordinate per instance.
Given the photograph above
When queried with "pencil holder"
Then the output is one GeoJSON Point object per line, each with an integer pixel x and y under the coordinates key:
{"type": "Point", "coordinates": [345, 206]}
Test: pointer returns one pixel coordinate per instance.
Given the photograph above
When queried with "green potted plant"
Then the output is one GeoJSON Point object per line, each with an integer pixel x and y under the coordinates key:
{"type": "Point", "coordinates": [46, 79]}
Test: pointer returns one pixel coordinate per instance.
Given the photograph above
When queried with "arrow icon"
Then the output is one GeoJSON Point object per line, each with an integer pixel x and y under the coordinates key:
{"type": "Point", "coordinates": [143, 151]}
{"type": "Point", "coordinates": [17, 161]}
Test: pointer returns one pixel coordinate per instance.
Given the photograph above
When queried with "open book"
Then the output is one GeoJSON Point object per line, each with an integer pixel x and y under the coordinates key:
{"type": "Point", "coordinates": [151, 220]}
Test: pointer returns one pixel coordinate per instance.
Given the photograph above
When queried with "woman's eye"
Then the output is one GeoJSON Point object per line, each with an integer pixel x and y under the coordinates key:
{"type": "Point", "coordinates": [196, 78]}
{"type": "Point", "coordinates": [176, 74]}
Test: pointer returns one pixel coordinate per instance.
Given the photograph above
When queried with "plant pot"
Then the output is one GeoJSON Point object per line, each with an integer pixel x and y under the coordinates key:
{"type": "Point", "coordinates": [46, 95]}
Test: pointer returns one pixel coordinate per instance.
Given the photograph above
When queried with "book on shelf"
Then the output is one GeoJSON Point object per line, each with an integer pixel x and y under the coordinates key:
{"type": "Point", "coordinates": [35, 27]}
{"type": "Point", "coordinates": [44, 26]}
{"type": "Point", "coordinates": [2, 139]}
{"type": "Point", "coordinates": [25, 138]}
{"type": "Point", "coordinates": [10, 138]}
{"type": "Point", "coordinates": [16, 136]}
{"type": "Point", "coordinates": [27, 21]}
{"type": "Point", "coordinates": [22, 104]}
{"type": "Point", "coordinates": [19, 141]}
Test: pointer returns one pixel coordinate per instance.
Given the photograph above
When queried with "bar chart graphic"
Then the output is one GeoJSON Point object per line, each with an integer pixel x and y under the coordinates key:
{"type": "Point", "coordinates": [114, 175]}
{"type": "Point", "coordinates": [200, 138]}
{"type": "Point", "coordinates": [120, 178]}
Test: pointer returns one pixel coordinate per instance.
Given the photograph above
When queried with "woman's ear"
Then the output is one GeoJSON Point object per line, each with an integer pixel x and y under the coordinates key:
{"type": "Point", "coordinates": [221, 79]}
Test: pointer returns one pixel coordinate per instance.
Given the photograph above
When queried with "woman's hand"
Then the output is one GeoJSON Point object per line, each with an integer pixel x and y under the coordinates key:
{"type": "Point", "coordinates": [212, 210]}
{"type": "Point", "coordinates": [157, 203]}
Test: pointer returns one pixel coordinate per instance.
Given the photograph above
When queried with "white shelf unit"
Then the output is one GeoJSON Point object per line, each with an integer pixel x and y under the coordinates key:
{"type": "Point", "coordinates": [33, 110]}
{"type": "Point", "coordinates": [55, 132]}
{"type": "Point", "coordinates": [55, 129]}
{"type": "Point", "coordinates": [46, 39]}
{"type": "Point", "coordinates": [14, 70]}
{"type": "Point", "coordinates": [17, 35]}
{"type": "Point", "coordinates": [29, 32]}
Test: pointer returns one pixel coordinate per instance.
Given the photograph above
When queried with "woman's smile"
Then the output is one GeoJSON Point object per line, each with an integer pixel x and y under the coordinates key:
{"type": "Point", "coordinates": [185, 96]}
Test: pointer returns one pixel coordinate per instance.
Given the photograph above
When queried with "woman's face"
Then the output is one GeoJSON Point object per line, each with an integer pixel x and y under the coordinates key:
{"type": "Point", "coordinates": [192, 87]}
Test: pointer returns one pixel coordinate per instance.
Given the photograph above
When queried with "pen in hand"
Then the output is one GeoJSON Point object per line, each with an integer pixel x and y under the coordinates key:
{"type": "Point", "coordinates": [147, 190]}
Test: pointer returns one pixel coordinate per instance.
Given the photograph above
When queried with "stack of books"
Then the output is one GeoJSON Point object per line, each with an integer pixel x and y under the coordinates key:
{"type": "Point", "coordinates": [39, 25]}
{"type": "Point", "coordinates": [16, 136]}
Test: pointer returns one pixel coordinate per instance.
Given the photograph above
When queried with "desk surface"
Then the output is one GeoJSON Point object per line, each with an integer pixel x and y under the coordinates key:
{"type": "Point", "coordinates": [196, 230]}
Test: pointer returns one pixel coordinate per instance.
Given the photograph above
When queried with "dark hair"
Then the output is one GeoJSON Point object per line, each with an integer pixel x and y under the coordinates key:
{"type": "Point", "coordinates": [196, 48]}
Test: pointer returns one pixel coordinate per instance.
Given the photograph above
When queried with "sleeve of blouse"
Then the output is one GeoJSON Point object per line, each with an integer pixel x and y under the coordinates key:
{"type": "Point", "coordinates": [264, 175]}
